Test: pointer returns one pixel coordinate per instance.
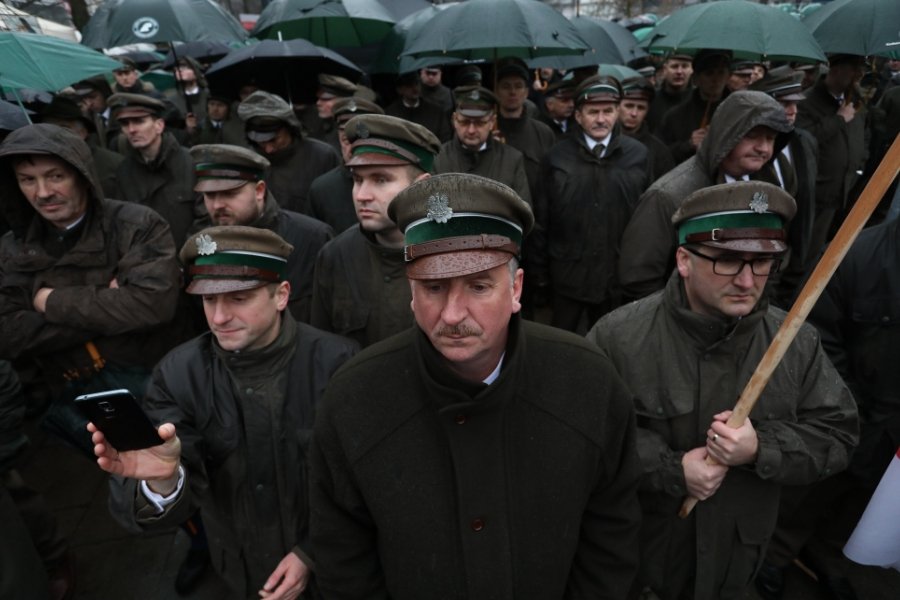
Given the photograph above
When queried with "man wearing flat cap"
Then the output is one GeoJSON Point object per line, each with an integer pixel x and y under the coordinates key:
{"type": "Point", "coordinates": [706, 332]}
{"type": "Point", "coordinates": [360, 286]}
{"type": "Point", "coordinates": [590, 183]}
{"type": "Point", "coordinates": [475, 453]}
{"type": "Point", "coordinates": [474, 149]}
{"type": "Point", "coordinates": [221, 125]}
{"type": "Point", "coordinates": [684, 126]}
{"type": "Point", "coordinates": [235, 409]}
{"type": "Point", "coordinates": [410, 106]}
{"type": "Point", "coordinates": [232, 180]}
{"type": "Point", "coordinates": [157, 170]}
{"type": "Point", "coordinates": [295, 161]}
{"type": "Point", "coordinates": [317, 119]}
{"type": "Point", "coordinates": [94, 93]}
{"type": "Point", "coordinates": [331, 194]}
{"type": "Point", "coordinates": [128, 78]}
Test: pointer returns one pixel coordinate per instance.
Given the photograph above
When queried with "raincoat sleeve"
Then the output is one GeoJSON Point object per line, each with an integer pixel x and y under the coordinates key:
{"type": "Point", "coordinates": [818, 440]}
{"type": "Point", "coordinates": [147, 278]}
{"type": "Point", "coordinates": [647, 246]}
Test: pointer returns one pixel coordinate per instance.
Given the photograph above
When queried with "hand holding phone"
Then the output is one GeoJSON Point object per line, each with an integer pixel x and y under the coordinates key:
{"type": "Point", "coordinates": [117, 414]}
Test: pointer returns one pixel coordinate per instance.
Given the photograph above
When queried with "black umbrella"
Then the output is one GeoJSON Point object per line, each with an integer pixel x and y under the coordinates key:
{"type": "Point", "coordinates": [204, 52]}
{"type": "Point", "coordinates": [143, 59]}
{"type": "Point", "coordinates": [289, 68]}
{"type": "Point", "coordinates": [12, 116]}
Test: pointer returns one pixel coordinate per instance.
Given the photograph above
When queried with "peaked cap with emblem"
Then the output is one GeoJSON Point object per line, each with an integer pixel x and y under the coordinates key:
{"type": "Point", "coordinates": [598, 88]}
{"type": "Point", "coordinates": [219, 167]}
{"type": "Point", "coordinates": [474, 101]}
{"type": "Point", "coordinates": [388, 141]}
{"type": "Point", "coordinates": [264, 114]}
{"type": "Point", "coordinates": [744, 216]}
{"type": "Point", "coordinates": [126, 106]}
{"type": "Point", "coordinates": [233, 258]}
{"type": "Point", "coordinates": [456, 224]}
{"type": "Point", "coordinates": [782, 83]}
{"type": "Point", "coordinates": [638, 88]}
{"type": "Point", "coordinates": [345, 109]}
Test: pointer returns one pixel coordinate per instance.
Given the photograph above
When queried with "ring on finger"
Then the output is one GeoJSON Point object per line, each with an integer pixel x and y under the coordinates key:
{"type": "Point", "coordinates": [715, 437]}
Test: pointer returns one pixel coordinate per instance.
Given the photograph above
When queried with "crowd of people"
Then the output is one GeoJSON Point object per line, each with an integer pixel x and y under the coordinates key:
{"type": "Point", "coordinates": [476, 340]}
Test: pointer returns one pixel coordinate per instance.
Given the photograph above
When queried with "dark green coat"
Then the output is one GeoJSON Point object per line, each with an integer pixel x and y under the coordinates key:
{"type": "Point", "coordinates": [360, 289]}
{"type": "Point", "coordinates": [293, 170]}
{"type": "Point", "coordinates": [331, 199]}
{"type": "Point", "coordinates": [681, 120]}
{"type": "Point", "coordinates": [497, 161]}
{"type": "Point", "coordinates": [424, 486]}
{"type": "Point", "coordinates": [533, 139]}
{"type": "Point", "coordinates": [681, 369]}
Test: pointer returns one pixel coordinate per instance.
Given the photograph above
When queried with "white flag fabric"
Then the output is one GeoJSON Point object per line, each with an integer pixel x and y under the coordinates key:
{"type": "Point", "coordinates": [876, 539]}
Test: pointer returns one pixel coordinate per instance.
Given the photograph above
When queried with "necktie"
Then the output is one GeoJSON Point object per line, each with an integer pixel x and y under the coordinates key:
{"type": "Point", "coordinates": [598, 150]}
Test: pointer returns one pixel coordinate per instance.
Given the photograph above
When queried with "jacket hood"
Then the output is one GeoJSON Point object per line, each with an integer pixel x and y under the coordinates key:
{"type": "Point", "coordinates": [42, 138]}
{"type": "Point", "coordinates": [739, 113]}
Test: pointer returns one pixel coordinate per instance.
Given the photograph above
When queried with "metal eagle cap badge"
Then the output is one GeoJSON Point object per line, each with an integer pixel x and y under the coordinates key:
{"type": "Point", "coordinates": [760, 202]}
{"type": "Point", "coordinates": [437, 208]}
{"type": "Point", "coordinates": [205, 245]}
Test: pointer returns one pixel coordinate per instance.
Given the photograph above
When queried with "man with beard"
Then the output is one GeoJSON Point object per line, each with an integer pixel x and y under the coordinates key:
{"type": "Point", "coordinates": [706, 333]}
{"type": "Point", "coordinates": [745, 135]}
{"type": "Point", "coordinates": [157, 170]}
{"type": "Point", "coordinates": [235, 408]}
{"type": "Point", "coordinates": [273, 130]}
{"type": "Point", "coordinates": [463, 456]}
{"type": "Point", "coordinates": [232, 181]}
{"type": "Point", "coordinates": [591, 183]}
{"type": "Point", "coordinates": [360, 291]}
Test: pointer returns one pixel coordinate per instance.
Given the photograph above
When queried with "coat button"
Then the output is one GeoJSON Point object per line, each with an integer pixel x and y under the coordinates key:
{"type": "Point", "coordinates": [387, 278]}
{"type": "Point", "coordinates": [259, 487]}
{"type": "Point", "coordinates": [248, 391]}
{"type": "Point", "coordinates": [460, 419]}
{"type": "Point", "coordinates": [477, 524]}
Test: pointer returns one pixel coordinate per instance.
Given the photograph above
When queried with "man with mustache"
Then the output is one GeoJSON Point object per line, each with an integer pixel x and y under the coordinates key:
{"type": "Point", "coordinates": [476, 454]}
{"type": "Point", "coordinates": [686, 353]}
{"type": "Point", "coordinates": [232, 181]}
{"type": "Point", "coordinates": [745, 136]}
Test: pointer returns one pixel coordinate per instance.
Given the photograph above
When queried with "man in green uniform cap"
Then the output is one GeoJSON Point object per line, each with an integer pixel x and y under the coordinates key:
{"type": "Point", "coordinates": [706, 332]}
{"type": "Point", "coordinates": [235, 409]}
{"type": "Point", "coordinates": [360, 287]}
{"type": "Point", "coordinates": [474, 454]}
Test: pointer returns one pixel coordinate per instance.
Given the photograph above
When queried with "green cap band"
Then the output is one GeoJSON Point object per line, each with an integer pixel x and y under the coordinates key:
{"type": "Point", "coordinates": [205, 171]}
{"type": "Point", "coordinates": [425, 159]}
{"type": "Point", "coordinates": [243, 259]}
{"type": "Point", "coordinates": [461, 224]}
{"type": "Point", "coordinates": [736, 220]}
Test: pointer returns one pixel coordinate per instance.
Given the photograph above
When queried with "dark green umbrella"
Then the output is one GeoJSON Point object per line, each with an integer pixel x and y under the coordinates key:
{"type": "Point", "coordinates": [32, 60]}
{"type": "Point", "coordinates": [121, 22]}
{"type": "Point", "coordinates": [750, 30]}
{"type": "Point", "coordinates": [326, 23]}
{"type": "Point", "coordinates": [490, 29]}
{"type": "Point", "coordinates": [861, 27]}
{"type": "Point", "coordinates": [389, 56]}
{"type": "Point", "coordinates": [610, 43]}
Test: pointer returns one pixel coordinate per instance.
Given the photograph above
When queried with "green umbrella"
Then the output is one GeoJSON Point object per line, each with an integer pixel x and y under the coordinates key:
{"type": "Point", "coordinates": [750, 30]}
{"type": "Point", "coordinates": [389, 59]}
{"type": "Point", "coordinates": [861, 27]}
{"type": "Point", "coordinates": [161, 80]}
{"type": "Point", "coordinates": [326, 23]}
{"type": "Point", "coordinates": [620, 72]}
{"type": "Point", "coordinates": [611, 43]}
{"type": "Point", "coordinates": [31, 60]}
{"type": "Point", "coordinates": [121, 22]}
{"type": "Point", "coordinates": [490, 29]}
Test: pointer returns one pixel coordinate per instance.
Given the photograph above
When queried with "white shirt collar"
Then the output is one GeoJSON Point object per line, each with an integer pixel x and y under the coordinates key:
{"type": "Point", "coordinates": [495, 373]}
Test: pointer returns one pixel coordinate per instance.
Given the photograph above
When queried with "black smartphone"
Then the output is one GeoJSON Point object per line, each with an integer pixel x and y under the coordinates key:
{"type": "Point", "coordinates": [117, 414]}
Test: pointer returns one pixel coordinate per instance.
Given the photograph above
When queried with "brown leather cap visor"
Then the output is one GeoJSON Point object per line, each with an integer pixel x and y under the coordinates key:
{"type": "Point", "coordinates": [456, 264]}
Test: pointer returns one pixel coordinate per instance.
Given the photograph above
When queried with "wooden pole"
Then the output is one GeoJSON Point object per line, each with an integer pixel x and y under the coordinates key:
{"type": "Point", "coordinates": [814, 287]}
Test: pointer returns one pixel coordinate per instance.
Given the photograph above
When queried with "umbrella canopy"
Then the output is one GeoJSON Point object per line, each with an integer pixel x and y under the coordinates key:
{"type": "Point", "coordinates": [31, 60]}
{"type": "Point", "coordinates": [389, 55]}
{"type": "Point", "coordinates": [611, 43]}
{"type": "Point", "coordinates": [120, 22]}
{"type": "Point", "coordinates": [204, 51]}
{"type": "Point", "coordinates": [326, 23]}
{"type": "Point", "coordinates": [751, 31]}
{"type": "Point", "coordinates": [12, 117]}
{"type": "Point", "coordinates": [490, 29]}
{"type": "Point", "coordinates": [620, 72]}
{"type": "Point", "coordinates": [861, 27]}
{"type": "Point", "coordinates": [143, 58]}
{"type": "Point", "coordinates": [288, 68]}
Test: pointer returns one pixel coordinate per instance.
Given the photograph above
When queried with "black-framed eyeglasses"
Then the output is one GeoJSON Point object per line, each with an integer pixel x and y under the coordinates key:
{"type": "Point", "coordinates": [731, 265]}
